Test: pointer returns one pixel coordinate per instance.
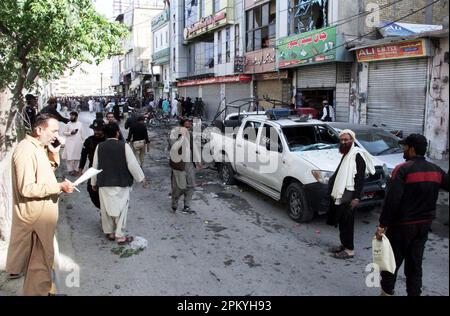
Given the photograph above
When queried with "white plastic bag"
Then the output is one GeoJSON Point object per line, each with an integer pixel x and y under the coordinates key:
{"type": "Point", "coordinates": [138, 243]}
{"type": "Point", "coordinates": [383, 255]}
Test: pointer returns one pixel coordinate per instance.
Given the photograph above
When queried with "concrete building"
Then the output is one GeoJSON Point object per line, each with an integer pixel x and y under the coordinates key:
{"type": "Point", "coordinates": [161, 53]}
{"type": "Point", "coordinates": [133, 72]}
{"type": "Point", "coordinates": [396, 82]}
{"type": "Point", "coordinates": [207, 37]}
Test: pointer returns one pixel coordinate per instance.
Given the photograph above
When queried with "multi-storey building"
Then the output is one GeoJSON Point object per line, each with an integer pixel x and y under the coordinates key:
{"type": "Point", "coordinates": [207, 37]}
{"type": "Point", "coordinates": [161, 53]}
{"type": "Point", "coordinates": [133, 73]}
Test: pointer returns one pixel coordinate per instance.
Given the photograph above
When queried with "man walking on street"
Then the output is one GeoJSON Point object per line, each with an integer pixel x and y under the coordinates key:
{"type": "Point", "coordinates": [327, 115]}
{"type": "Point", "coordinates": [110, 119]}
{"type": "Point", "coordinates": [120, 168]}
{"type": "Point", "coordinates": [346, 186]}
{"type": "Point", "coordinates": [138, 137]}
{"type": "Point", "coordinates": [35, 202]}
{"type": "Point", "coordinates": [408, 211]}
{"type": "Point", "coordinates": [75, 137]}
{"type": "Point", "coordinates": [184, 157]}
{"type": "Point", "coordinates": [89, 146]}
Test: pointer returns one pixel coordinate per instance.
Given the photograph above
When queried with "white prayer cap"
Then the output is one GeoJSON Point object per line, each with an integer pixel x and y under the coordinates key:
{"type": "Point", "coordinates": [348, 131]}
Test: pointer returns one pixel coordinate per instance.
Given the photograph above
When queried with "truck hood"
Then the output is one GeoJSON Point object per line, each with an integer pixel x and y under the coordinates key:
{"type": "Point", "coordinates": [392, 161]}
{"type": "Point", "coordinates": [327, 160]}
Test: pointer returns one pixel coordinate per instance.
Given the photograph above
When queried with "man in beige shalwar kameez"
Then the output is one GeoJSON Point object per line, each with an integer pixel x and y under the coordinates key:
{"type": "Point", "coordinates": [35, 207]}
{"type": "Point", "coordinates": [120, 168]}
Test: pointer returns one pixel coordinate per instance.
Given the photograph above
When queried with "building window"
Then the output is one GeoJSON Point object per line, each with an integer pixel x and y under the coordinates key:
{"type": "Point", "coordinates": [307, 15]}
{"type": "Point", "coordinates": [216, 4]}
{"type": "Point", "coordinates": [161, 38]}
{"type": "Point", "coordinates": [191, 12]}
{"type": "Point", "coordinates": [209, 54]}
{"type": "Point", "coordinates": [236, 40]}
{"type": "Point", "coordinates": [260, 23]}
{"type": "Point", "coordinates": [202, 8]}
{"type": "Point", "coordinates": [174, 59]}
{"type": "Point", "coordinates": [227, 45]}
{"type": "Point", "coordinates": [219, 47]}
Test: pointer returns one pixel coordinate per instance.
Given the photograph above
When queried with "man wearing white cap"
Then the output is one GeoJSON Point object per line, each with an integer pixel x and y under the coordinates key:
{"type": "Point", "coordinates": [346, 186]}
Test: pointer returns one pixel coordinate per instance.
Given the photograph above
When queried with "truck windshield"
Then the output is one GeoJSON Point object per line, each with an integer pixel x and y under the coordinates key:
{"type": "Point", "coordinates": [306, 138]}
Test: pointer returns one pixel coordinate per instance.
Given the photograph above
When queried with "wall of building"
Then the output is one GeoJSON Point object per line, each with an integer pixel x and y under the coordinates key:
{"type": "Point", "coordinates": [437, 116]}
{"type": "Point", "coordinates": [161, 38]}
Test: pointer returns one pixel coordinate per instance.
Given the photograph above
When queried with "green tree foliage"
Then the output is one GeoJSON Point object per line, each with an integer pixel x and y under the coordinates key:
{"type": "Point", "coordinates": [45, 37]}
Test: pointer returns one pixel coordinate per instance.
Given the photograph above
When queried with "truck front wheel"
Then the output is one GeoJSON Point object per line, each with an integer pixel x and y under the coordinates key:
{"type": "Point", "coordinates": [227, 173]}
{"type": "Point", "coordinates": [298, 207]}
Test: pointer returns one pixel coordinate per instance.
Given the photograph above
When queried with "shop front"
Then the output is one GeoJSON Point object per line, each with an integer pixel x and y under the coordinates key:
{"type": "Point", "coordinates": [397, 84]}
{"type": "Point", "coordinates": [321, 69]}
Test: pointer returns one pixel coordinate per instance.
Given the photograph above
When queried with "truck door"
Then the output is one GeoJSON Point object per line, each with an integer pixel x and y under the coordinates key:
{"type": "Point", "coordinates": [246, 148]}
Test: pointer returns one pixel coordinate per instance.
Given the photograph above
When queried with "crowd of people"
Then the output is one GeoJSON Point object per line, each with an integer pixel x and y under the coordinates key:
{"type": "Point", "coordinates": [407, 214]}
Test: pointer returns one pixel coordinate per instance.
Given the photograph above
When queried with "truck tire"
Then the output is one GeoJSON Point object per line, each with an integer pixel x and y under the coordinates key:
{"type": "Point", "coordinates": [227, 173]}
{"type": "Point", "coordinates": [298, 207]}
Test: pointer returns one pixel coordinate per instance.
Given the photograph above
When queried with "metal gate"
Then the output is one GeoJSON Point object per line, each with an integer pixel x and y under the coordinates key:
{"type": "Point", "coordinates": [316, 76]}
{"type": "Point", "coordinates": [211, 99]}
{"type": "Point", "coordinates": [397, 94]}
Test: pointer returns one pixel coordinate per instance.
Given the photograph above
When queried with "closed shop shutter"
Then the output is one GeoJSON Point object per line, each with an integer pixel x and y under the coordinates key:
{"type": "Point", "coordinates": [397, 94]}
{"type": "Point", "coordinates": [237, 91]}
{"type": "Point", "coordinates": [317, 76]}
{"type": "Point", "coordinates": [271, 89]}
{"type": "Point", "coordinates": [211, 99]}
{"type": "Point", "coordinates": [342, 102]}
{"type": "Point", "coordinates": [191, 92]}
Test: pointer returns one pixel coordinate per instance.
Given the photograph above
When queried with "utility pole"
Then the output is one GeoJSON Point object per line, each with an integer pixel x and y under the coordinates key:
{"type": "Point", "coordinates": [101, 84]}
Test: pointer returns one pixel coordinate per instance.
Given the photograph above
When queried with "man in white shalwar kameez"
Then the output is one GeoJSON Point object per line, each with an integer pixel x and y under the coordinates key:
{"type": "Point", "coordinates": [75, 137]}
{"type": "Point", "coordinates": [120, 168]}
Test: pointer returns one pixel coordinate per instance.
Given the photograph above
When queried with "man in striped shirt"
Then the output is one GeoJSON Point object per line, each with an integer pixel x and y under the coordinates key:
{"type": "Point", "coordinates": [409, 208]}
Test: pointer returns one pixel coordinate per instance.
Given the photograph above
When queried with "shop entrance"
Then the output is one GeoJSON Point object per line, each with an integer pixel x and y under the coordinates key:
{"type": "Point", "coordinates": [313, 98]}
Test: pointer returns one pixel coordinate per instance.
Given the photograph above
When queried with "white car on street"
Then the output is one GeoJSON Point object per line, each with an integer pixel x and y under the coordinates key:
{"type": "Point", "coordinates": [289, 160]}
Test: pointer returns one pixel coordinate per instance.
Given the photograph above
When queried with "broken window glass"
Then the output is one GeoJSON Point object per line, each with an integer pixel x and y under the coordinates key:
{"type": "Point", "coordinates": [307, 15]}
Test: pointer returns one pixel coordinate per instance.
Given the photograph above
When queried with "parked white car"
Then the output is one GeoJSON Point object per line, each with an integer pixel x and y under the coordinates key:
{"type": "Point", "coordinates": [289, 160]}
{"type": "Point", "coordinates": [377, 141]}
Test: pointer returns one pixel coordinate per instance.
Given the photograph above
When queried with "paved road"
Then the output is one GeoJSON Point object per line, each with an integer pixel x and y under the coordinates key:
{"type": "Point", "coordinates": [239, 243]}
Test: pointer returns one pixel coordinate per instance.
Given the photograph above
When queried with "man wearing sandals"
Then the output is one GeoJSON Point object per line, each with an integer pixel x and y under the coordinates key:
{"type": "Point", "coordinates": [346, 187]}
{"type": "Point", "coordinates": [120, 169]}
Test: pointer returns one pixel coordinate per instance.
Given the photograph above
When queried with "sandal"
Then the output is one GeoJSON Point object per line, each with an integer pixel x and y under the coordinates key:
{"type": "Point", "coordinates": [336, 249]}
{"type": "Point", "coordinates": [110, 237]}
{"type": "Point", "coordinates": [342, 255]}
{"type": "Point", "coordinates": [127, 240]}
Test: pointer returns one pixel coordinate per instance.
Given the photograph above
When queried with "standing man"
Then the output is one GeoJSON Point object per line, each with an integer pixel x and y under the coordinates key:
{"type": "Point", "coordinates": [166, 107]}
{"type": "Point", "coordinates": [89, 146]}
{"type": "Point", "coordinates": [138, 137]}
{"type": "Point", "coordinates": [31, 110]}
{"type": "Point", "coordinates": [35, 207]}
{"type": "Point", "coordinates": [183, 157]}
{"type": "Point", "coordinates": [327, 115]}
{"type": "Point", "coordinates": [174, 109]}
{"type": "Point", "coordinates": [74, 143]}
{"type": "Point", "coordinates": [346, 186]}
{"type": "Point", "coordinates": [110, 119]}
{"type": "Point", "coordinates": [114, 183]}
{"type": "Point", "coordinates": [408, 211]}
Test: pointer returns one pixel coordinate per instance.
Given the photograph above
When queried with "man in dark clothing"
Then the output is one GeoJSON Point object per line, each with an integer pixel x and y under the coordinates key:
{"type": "Point", "coordinates": [31, 110]}
{"type": "Point", "coordinates": [89, 146]}
{"type": "Point", "coordinates": [116, 110]}
{"type": "Point", "coordinates": [346, 191]}
{"type": "Point", "coordinates": [110, 119]}
{"type": "Point", "coordinates": [131, 120]}
{"type": "Point", "coordinates": [408, 211]}
{"type": "Point", "coordinates": [138, 137]}
{"type": "Point", "coordinates": [51, 109]}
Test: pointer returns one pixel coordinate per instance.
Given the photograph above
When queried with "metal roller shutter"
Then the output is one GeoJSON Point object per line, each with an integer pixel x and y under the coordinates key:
{"type": "Point", "coordinates": [211, 99]}
{"type": "Point", "coordinates": [237, 91]}
{"type": "Point", "coordinates": [317, 76]}
{"type": "Point", "coordinates": [397, 94]}
{"type": "Point", "coordinates": [273, 89]}
{"type": "Point", "coordinates": [342, 102]}
{"type": "Point", "coordinates": [191, 92]}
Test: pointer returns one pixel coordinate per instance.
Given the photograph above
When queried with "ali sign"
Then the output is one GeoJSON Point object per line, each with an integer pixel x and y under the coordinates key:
{"type": "Point", "coordinates": [408, 49]}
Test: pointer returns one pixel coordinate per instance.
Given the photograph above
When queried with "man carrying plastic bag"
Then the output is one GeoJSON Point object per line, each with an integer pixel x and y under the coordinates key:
{"type": "Point", "coordinates": [408, 211]}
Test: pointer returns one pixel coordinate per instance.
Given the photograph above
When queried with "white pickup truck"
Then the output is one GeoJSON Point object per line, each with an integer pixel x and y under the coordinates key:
{"type": "Point", "coordinates": [289, 160]}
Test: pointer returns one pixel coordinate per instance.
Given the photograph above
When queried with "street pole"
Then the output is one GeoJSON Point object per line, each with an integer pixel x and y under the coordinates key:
{"type": "Point", "coordinates": [101, 84]}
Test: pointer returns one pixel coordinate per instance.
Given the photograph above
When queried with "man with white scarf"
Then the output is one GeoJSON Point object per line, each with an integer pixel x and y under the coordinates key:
{"type": "Point", "coordinates": [346, 187]}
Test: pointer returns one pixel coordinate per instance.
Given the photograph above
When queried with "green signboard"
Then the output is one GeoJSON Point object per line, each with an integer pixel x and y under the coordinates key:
{"type": "Point", "coordinates": [308, 48]}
